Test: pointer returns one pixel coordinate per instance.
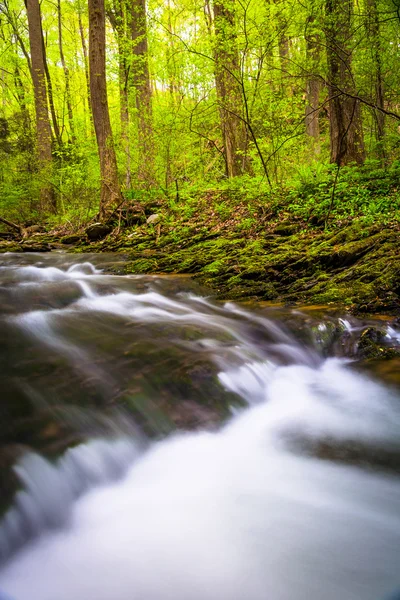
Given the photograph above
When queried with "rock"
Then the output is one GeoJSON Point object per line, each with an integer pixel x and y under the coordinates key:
{"type": "Point", "coordinates": [70, 239]}
{"type": "Point", "coordinates": [370, 343]}
{"type": "Point", "coordinates": [28, 231]}
{"type": "Point", "coordinates": [10, 246]}
{"type": "Point", "coordinates": [153, 219]}
{"type": "Point", "coordinates": [32, 247]}
{"type": "Point", "coordinates": [286, 229]}
{"type": "Point", "coordinates": [97, 231]}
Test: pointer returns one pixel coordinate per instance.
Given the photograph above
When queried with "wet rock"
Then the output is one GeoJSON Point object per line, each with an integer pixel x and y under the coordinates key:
{"type": "Point", "coordinates": [370, 344]}
{"type": "Point", "coordinates": [8, 481]}
{"type": "Point", "coordinates": [35, 247]}
{"type": "Point", "coordinates": [10, 246]}
{"type": "Point", "coordinates": [70, 239]}
{"type": "Point", "coordinates": [153, 219]}
{"type": "Point", "coordinates": [98, 231]}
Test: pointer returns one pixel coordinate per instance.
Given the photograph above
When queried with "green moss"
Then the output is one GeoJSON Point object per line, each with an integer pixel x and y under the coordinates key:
{"type": "Point", "coordinates": [265, 250]}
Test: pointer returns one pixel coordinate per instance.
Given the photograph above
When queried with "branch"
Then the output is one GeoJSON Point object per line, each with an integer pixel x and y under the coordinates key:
{"type": "Point", "coordinates": [12, 225]}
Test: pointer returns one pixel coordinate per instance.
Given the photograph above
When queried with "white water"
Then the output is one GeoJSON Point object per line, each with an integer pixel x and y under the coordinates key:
{"type": "Point", "coordinates": [237, 514]}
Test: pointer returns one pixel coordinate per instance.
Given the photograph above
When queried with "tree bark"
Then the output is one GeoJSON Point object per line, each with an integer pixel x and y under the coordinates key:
{"type": "Point", "coordinates": [110, 195]}
{"type": "Point", "coordinates": [54, 120]}
{"type": "Point", "coordinates": [283, 40]}
{"type": "Point", "coordinates": [346, 133]}
{"type": "Point", "coordinates": [119, 21]}
{"type": "Point", "coordinates": [141, 82]}
{"type": "Point", "coordinates": [43, 129]}
{"type": "Point", "coordinates": [373, 30]}
{"type": "Point", "coordinates": [313, 83]}
{"type": "Point", "coordinates": [86, 64]}
{"type": "Point", "coordinates": [228, 80]}
{"type": "Point", "coordinates": [66, 74]}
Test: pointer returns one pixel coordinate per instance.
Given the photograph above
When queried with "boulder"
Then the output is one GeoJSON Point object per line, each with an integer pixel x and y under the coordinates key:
{"type": "Point", "coordinates": [97, 231]}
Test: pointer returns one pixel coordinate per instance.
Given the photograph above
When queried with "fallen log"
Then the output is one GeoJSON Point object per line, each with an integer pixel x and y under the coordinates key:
{"type": "Point", "coordinates": [12, 225]}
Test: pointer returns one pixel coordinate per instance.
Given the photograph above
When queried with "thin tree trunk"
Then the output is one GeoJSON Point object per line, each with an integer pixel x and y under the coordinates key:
{"type": "Point", "coordinates": [54, 119]}
{"type": "Point", "coordinates": [86, 64]}
{"type": "Point", "coordinates": [229, 89]}
{"type": "Point", "coordinates": [118, 20]}
{"type": "Point", "coordinates": [346, 133]}
{"type": "Point", "coordinates": [21, 95]}
{"type": "Point", "coordinates": [110, 195]}
{"type": "Point", "coordinates": [373, 29]}
{"type": "Point", "coordinates": [12, 20]}
{"type": "Point", "coordinates": [313, 83]}
{"type": "Point", "coordinates": [283, 40]}
{"type": "Point", "coordinates": [43, 129]}
{"type": "Point", "coordinates": [125, 119]}
{"type": "Point", "coordinates": [170, 54]}
{"type": "Point", "coordinates": [66, 74]}
{"type": "Point", "coordinates": [141, 82]}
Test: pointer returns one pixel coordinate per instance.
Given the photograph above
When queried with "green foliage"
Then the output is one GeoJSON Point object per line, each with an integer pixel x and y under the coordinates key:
{"type": "Point", "coordinates": [271, 40]}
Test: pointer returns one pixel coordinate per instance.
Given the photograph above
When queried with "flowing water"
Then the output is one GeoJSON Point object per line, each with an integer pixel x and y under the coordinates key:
{"type": "Point", "coordinates": [158, 445]}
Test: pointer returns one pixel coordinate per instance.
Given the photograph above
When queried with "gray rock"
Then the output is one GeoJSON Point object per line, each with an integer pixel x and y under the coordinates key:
{"type": "Point", "coordinates": [153, 219]}
{"type": "Point", "coordinates": [70, 239]}
{"type": "Point", "coordinates": [97, 231]}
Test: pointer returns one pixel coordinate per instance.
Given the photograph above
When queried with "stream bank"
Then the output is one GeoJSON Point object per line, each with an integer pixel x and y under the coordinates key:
{"type": "Point", "coordinates": [246, 255]}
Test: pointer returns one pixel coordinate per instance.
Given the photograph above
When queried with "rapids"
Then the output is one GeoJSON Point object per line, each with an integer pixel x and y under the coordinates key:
{"type": "Point", "coordinates": [287, 487]}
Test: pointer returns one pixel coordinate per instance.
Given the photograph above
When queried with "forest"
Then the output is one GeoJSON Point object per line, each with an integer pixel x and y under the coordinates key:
{"type": "Point", "coordinates": [200, 299]}
{"type": "Point", "coordinates": [246, 112]}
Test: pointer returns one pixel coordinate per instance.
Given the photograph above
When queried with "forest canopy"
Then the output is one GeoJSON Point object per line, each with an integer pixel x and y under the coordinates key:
{"type": "Point", "coordinates": [106, 102]}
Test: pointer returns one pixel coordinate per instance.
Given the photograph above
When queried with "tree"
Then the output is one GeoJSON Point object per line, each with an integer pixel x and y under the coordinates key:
{"type": "Point", "coordinates": [85, 63]}
{"type": "Point", "coordinates": [110, 195]}
{"type": "Point", "coordinates": [313, 82]}
{"type": "Point", "coordinates": [66, 74]}
{"type": "Point", "coordinates": [119, 18]}
{"type": "Point", "coordinates": [374, 35]}
{"type": "Point", "coordinates": [346, 133]}
{"type": "Point", "coordinates": [228, 81]}
{"type": "Point", "coordinates": [43, 129]}
{"type": "Point", "coordinates": [143, 93]}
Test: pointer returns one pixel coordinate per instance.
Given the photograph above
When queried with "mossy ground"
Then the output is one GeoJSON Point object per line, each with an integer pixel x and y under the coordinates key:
{"type": "Point", "coordinates": [242, 253]}
{"type": "Point", "coordinates": [257, 246]}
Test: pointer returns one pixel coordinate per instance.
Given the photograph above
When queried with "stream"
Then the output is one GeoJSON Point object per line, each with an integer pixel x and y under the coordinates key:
{"type": "Point", "coordinates": [156, 444]}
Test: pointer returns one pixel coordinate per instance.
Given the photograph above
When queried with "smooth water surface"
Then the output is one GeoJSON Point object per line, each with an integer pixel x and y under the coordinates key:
{"type": "Point", "coordinates": [287, 487]}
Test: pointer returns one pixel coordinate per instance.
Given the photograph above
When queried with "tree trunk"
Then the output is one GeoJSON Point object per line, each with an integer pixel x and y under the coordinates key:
{"type": "Point", "coordinates": [313, 83]}
{"type": "Point", "coordinates": [43, 129]}
{"type": "Point", "coordinates": [53, 113]}
{"type": "Point", "coordinates": [118, 19]}
{"type": "Point", "coordinates": [86, 64]}
{"type": "Point", "coordinates": [373, 30]}
{"type": "Point", "coordinates": [66, 74]}
{"type": "Point", "coordinates": [283, 40]}
{"type": "Point", "coordinates": [228, 81]}
{"type": "Point", "coordinates": [141, 81]}
{"type": "Point", "coordinates": [346, 133]}
{"type": "Point", "coordinates": [110, 195]}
